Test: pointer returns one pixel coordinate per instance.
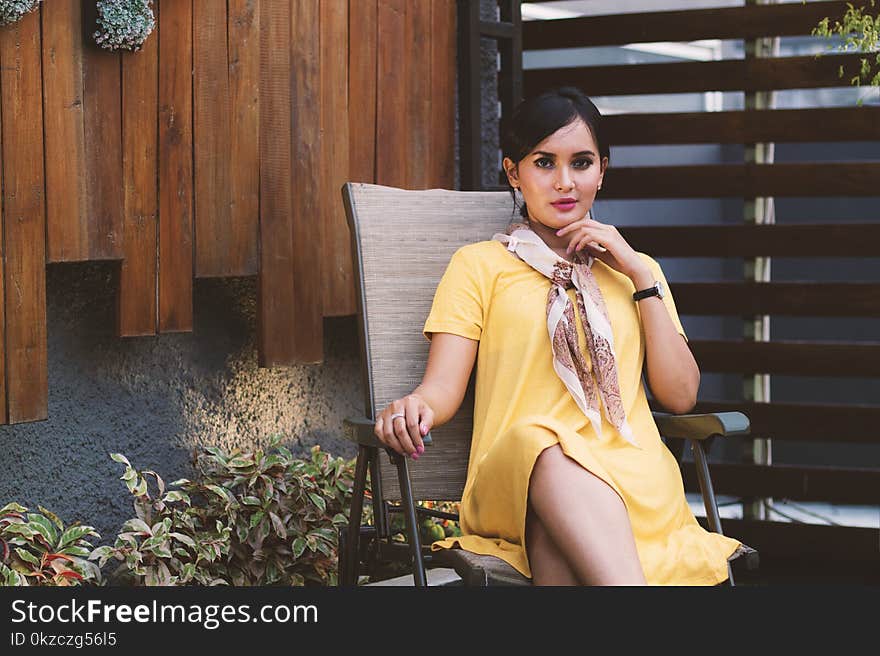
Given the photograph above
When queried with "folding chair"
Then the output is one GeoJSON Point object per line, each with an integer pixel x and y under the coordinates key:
{"type": "Point", "coordinates": [402, 242]}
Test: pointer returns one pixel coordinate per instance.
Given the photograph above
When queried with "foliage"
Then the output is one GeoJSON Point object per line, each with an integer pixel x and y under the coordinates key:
{"type": "Point", "coordinates": [36, 549]}
{"type": "Point", "coordinates": [124, 24]}
{"type": "Point", "coordinates": [13, 10]}
{"type": "Point", "coordinates": [860, 31]}
{"type": "Point", "coordinates": [166, 543]}
{"type": "Point", "coordinates": [261, 518]}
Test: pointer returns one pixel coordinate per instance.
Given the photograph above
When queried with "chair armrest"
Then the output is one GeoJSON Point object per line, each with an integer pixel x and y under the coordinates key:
{"type": "Point", "coordinates": [702, 426]}
{"type": "Point", "coordinates": [360, 431]}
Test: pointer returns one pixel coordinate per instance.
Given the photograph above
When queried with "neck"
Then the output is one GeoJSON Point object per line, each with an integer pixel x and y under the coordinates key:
{"type": "Point", "coordinates": [548, 236]}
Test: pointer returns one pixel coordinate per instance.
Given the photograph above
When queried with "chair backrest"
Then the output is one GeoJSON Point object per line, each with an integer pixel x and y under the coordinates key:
{"type": "Point", "coordinates": [402, 241]}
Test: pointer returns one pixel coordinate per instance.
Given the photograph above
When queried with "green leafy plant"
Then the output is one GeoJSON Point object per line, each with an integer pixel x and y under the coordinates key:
{"type": "Point", "coordinates": [860, 31]}
{"type": "Point", "coordinates": [13, 10]}
{"type": "Point", "coordinates": [167, 542]}
{"type": "Point", "coordinates": [249, 518]}
{"type": "Point", "coordinates": [284, 512]}
{"type": "Point", "coordinates": [36, 549]}
{"type": "Point", "coordinates": [124, 24]}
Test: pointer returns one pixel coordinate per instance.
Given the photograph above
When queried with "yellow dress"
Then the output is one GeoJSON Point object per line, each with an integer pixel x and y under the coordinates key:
{"type": "Point", "coordinates": [521, 407]}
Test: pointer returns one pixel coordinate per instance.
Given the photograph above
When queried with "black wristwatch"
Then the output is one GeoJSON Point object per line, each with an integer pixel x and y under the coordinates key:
{"type": "Point", "coordinates": [654, 290]}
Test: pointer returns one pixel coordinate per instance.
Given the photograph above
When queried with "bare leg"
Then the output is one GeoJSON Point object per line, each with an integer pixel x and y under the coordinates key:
{"type": "Point", "coordinates": [548, 564]}
{"type": "Point", "coordinates": [585, 519]}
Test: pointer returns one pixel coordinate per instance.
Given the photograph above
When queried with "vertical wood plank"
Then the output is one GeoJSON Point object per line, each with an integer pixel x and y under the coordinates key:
{"type": "Point", "coordinates": [102, 129]}
{"type": "Point", "coordinates": [215, 235]}
{"type": "Point", "coordinates": [24, 221]}
{"type": "Point", "coordinates": [244, 89]}
{"type": "Point", "coordinates": [443, 73]}
{"type": "Point", "coordinates": [362, 90]}
{"type": "Point", "coordinates": [391, 94]}
{"type": "Point", "coordinates": [308, 265]}
{"type": "Point", "coordinates": [277, 302]}
{"type": "Point", "coordinates": [175, 166]}
{"type": "Point", "coordinates": [67, 237]}
{"type": "Point", "coordinates": [137, 314]}
{"type": "Point", "coordinates": [5, 35]}
{"type": "Point", "coordinates": [416, 124]}
{"type": "Point", "coordinates": [338, 279]}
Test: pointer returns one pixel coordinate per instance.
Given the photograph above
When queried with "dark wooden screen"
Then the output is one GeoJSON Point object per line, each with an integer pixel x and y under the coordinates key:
{"type": "Point", "coordinates": [219, 149]}
{"type": "Point", "coordinates": [778, 542]}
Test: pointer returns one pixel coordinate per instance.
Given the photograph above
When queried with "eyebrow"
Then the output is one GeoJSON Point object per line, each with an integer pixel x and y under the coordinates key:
{"type": "Point", "coordinates": [577, 154]}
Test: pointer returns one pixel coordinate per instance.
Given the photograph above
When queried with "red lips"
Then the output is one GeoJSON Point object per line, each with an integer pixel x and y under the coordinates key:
{"type": "Point", "coordinates": [565, 204]}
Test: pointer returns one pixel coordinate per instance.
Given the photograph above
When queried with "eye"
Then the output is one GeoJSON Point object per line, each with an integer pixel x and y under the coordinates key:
{"type": "Point", "coordinates": [543, 162]}
{"type": "Point", "coordinates": [583, 163]}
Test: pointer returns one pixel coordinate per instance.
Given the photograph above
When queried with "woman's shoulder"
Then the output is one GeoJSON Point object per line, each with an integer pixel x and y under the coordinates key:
{"type": "Point", "coordinates": [484, 254]}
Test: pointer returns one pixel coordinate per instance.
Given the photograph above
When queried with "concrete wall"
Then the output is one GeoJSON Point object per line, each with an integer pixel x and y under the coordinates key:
{"type": "Point", "coordinates": [156, 398]}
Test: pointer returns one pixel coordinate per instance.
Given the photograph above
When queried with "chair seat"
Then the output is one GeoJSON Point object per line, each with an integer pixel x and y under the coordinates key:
{"type": "Point", "coordinates": [744, 558]}
{"type": "Point", "coordinates": [479, 570]}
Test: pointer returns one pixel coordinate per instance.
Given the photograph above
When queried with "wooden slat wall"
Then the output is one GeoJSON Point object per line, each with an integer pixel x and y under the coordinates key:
{"type": "Point", "coordinates": [175, 166]}
{"type": "Point", "coordinates": [3, 413]}
{"type": "Point", "coordinates": [789, 240]}
{"type": "Point", "coordinates": [809, 422]}
{"type": "Point", "coordinates": [102, 130]}
{"type": "Point", "coordinates": [443, 63]}
{"type": "Point", "coordinates": [244, 88]}
{"type": "Point", "coordinates": [362, 86]}
{"type": "Point", "coordinates": [783, 125]}
{"type": "Point", "coordinates": [211, 138]}
{"type": "Point", "coordinates": [805, 72]}
{"type": "Point", "coordinates": [67, 234]}
{"type": "Point", "coordinates": [418, 94]}
{"type": "Point", "coordinates": [140, 122]}
{"type": "Point", "coordinates": [743, 180]}
{"type": "Point", "coordinates": [337, 272]}
{"type": "Point", "coordinates": [24, 222]}
{"type": "Point", "coordinates": [309, 268]}
{"type": "Point", "coordinates": [810, 299]}
{"type": "Point", "coordinates": [789, 358]}
{"type": "Point", "coordinates": [277, 301]}
{"type": "Point", "coordinates": [212, 152]}
{"type": "Point", "coordinates": [825, 423]}
{"type": "Point", "coordinates": [391, 164]}
{"type": "Point", "coordinates": [746, 22]}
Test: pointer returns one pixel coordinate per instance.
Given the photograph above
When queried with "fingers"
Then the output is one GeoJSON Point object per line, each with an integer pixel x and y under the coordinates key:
{"type": "Point", "coordinates": [402, 425]}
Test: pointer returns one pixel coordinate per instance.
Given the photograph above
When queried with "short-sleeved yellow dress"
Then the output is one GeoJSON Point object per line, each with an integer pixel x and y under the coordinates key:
{"type": "Point", "coordinates": [522, 407]}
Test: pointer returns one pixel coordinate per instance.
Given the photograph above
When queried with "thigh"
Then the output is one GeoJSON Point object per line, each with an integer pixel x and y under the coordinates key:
{"type": "Point", "coordinates": [548, 564]}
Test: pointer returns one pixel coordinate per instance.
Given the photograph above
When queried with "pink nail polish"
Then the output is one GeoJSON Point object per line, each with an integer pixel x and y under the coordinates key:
{"type": "Point", "coordinates": [420, 449]}
{"type": "Point", "coordinates": [415, 456]}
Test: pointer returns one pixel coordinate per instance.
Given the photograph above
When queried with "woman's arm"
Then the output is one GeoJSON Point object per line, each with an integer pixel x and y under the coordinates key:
{"type": "Point", "coordinates": [672, 372]}
{"type": "Point", "coordinates": [435, 401]}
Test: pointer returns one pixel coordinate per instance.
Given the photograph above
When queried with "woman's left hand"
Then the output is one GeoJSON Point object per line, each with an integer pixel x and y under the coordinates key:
{"type": "Point", "coordinates": [605, 243]}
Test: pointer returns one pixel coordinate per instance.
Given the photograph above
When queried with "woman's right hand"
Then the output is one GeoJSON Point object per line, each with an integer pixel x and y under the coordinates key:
{"type": "Point", "coordinates": [402, 424]}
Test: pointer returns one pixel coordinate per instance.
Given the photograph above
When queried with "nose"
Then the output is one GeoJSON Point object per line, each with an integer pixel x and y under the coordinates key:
{"type": "Point", "coordinates": [564, 181]}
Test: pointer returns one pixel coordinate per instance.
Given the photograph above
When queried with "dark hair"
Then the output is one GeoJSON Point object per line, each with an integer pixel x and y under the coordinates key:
{"type": "Point", "coordinates": [535, 119]}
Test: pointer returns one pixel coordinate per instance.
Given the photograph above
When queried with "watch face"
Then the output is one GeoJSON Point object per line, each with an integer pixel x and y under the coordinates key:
{"type": "Point", "coordinates": [660, 291]}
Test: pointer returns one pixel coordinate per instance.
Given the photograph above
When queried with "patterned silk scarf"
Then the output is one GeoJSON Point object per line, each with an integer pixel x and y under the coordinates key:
{"type": "Point", "coordinates": [568, 361]}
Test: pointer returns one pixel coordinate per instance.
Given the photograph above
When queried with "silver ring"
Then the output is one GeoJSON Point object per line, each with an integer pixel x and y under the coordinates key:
{"type": "Point", "coordinates": [396, 415]}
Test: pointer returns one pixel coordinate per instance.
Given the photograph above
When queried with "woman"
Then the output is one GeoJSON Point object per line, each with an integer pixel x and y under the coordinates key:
{"type": "Point", "coordinates": [568, 479]}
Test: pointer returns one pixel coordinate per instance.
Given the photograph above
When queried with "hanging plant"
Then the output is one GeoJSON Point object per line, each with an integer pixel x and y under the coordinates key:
{"type": "Point", "coordinates": [124, 24]}
{"type": "Point", "coordinates": [12, 10]}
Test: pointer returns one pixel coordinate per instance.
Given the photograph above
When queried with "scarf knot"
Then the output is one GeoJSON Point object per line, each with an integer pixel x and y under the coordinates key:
{"type": "Point", "coordinates": [568, 361]}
